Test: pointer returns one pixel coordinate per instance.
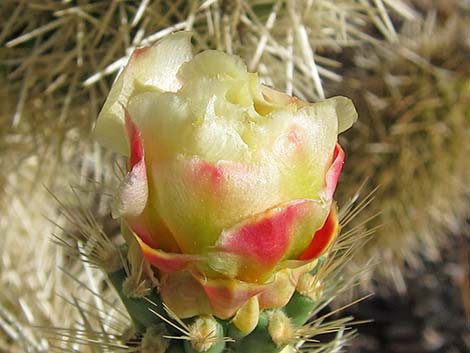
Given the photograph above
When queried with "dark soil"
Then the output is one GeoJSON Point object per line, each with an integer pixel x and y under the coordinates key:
{"type": "Point", "coordinates": [431, 317]}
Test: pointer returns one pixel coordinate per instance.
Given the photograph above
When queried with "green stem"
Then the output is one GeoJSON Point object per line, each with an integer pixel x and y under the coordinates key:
{"type": "Point", "coordinates": [299, 309]}
{"type": "Point", "coordinates": [258, 341]}
{"type": "Point", "coordinates": [138, 308]}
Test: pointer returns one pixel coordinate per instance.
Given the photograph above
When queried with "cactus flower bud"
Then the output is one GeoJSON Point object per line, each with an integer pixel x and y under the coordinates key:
{"type": "Point", "coordinates": [230, 183]}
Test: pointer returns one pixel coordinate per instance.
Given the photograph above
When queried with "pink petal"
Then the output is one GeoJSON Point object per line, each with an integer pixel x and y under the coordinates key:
{"type": "Point", "coordinates": [166, 262]}
{"type": "Point", "coordinates": [135, 141]}
{"type": "Point", "coordinates": [322, 238]}
{"type": "Point", "coordinates": [260, 242]}
{"type": "Point", "coordinates": [133, 193]}
{"type": "Point", "coordinates": [265, 238]}
{"type": "Point", "coordinates": [207, 172]}
{"type": "Point", "coordinates": [141, 230]}
{"type": "Point", "coordinates": [226, 296]}
{"type": "Point", "coordinates": [333, 173]}
{"type": "Point", "coordinates": [135, 202]}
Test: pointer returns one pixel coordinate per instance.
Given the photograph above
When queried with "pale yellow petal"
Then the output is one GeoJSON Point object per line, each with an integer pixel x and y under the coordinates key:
{"type": "Point", "coordinates": [152, 68]}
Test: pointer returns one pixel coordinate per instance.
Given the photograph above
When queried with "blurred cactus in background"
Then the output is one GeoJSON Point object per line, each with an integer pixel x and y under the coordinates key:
{"type": "Point", "coordinates": [412, 139]}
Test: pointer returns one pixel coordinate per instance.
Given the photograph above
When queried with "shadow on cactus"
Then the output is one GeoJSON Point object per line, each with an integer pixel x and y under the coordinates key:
{"type": "Point", "coordinates": [227, 206]}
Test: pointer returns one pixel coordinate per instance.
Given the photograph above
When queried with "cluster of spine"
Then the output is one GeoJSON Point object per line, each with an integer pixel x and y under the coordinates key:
{"type": "Point", "coordinates": [411, 140]}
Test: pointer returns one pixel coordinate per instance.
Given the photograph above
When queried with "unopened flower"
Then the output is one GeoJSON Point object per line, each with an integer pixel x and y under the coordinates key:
{"type": "Point", "coordinates": [230, 184]}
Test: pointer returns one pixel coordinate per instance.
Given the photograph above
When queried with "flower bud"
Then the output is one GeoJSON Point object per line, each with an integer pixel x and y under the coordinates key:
{"type": "Point", "coordinates": [230, 183]}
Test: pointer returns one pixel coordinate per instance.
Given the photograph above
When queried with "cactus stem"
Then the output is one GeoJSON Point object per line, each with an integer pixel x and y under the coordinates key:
{"type": "Point", "coordinates": [139, 308]}
{"type": "Point", "coordinates": [299, 309]}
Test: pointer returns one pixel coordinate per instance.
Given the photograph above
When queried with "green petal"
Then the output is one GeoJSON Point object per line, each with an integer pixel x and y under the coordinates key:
{"type": "Point", "coordinates": [300, 144]}
{"type": "Point", "coordinates": [345, 111]}
{"type": "Point", "coordinates": [164, 120]}
{"type": "Point", "coordinates": [197, 199]}
{"type": "Point", "coordinates": [190, 123]}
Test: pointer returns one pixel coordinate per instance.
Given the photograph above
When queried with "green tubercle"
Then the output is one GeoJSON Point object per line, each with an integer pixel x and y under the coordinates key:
{"type": "Point", "coordinates": [259, 340]}
{"type": "Point", "coordinates": [138, 308]}
{"type": "Point", "coordinates": [303, 302]}
{"type": "Point", "coordinates": [299, 309]}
